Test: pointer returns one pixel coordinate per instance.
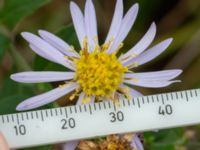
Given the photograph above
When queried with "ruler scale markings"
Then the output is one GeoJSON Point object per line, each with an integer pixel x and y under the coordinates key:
{"type": "Point", "coordinates": [191, 94]}
{"type": "Point", "coordinates": [75, 109]}
{"type": "Point", "coordinates": [90, 109]}
{"type": "Point", "coordinates": [148, 101]}
{"type": "Point", "coordinates": [61, 111]}
{"type": "Point", "coordinates": [181, 95]}
{"type": "Point", "coordinates": [189, 99]}
{"type": "Point", "coordinates": [27, 117]}
{"type": "Point", "coordinates": [66, 114]}
{"type": "Point", "coordinates": [167, 96]}
{"type": "Point", "coordinates": [32, 115]}
{"type": "Point", "coordinates": [22, 117]}
{"type": "Point", "coordinates": [171, 94]}
{"type": "Point", "coordinates": [99, 104]}
{"type": "Point", "coordinates": [138, 102]}
{"type": "Point", "coordinates": [114, 107]}
{"type": "Point", "coordinates": [109, 104]}
{"type": "Point", "coordinates": [7, 117]}
{"type": "Point", "coordinates": [80, 109]}
{"type": "Point", "coordinates": [163, 102]}
{"type": "Point", "coordinates": [104, 105]}
{"type": "Point", "coordinates": [17, 118]}
{"type": "Point", "coordinates": [123, 102]}
{"type": "Point", "coordinates": [56, 112]}
{"type": "Point", "coordinates": [133, 101]}
{"type": "Point", "coordinates": [2, 117]}
{"type": "Point", "coordinates": [95, 106]}
{"type": "Point", "coordinates": [41, 113]}
{"type": "Point", "coordinates": [143, 100]}
{"type": "Point", "coordinates": [152, 98]}
{"type": "Point", "coordinates": [46, 113]}
{"type": "Point", "coordinates": [196, 94]}
{"type": "Point", "coordinates": [36, 113]}
{"type": "Point", "coordinates": [12, 118]}
{"type": "Point", "coordinates": [85, 108]}
{"type": "Point", "coordinates": [70, 110]}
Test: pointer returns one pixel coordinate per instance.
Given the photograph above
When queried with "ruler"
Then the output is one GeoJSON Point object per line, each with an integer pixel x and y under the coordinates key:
{"type": "Point", "coordinates": [33, 128]}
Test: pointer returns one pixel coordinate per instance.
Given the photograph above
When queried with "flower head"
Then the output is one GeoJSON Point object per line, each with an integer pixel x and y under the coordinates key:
{"type": "Point", "coordinates": [96, 72]}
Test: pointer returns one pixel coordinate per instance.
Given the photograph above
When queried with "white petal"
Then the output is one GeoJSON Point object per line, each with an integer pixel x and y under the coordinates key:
{"type": "Point", "coordinates": [46, 98]}
{"type": "Point", "coordinates": [70, 145]}
{"type": "Point", "coordinates": [150, 54]}
{"type": "Point", "coordinates": [125, 27]}
{"type": "Point", "coordinates": [78, 21]}
{"type": "Point", "coordinates": [143, 43]}
{"type": "Point", "coordinates": [116, 21]}
{"type": "Point", "coordinates": [58, 43]}
{"type": "Point", "coordinates": [91, 24]}
{"type": "Point", "coordinates": [132, 92]}
{"type": "Point", "coordinates": [165, 75]}
{"type": "Point", "coordinates": [45, 76]}
{"type": "Point", "coordinates": [44, 49]}
{"type": "Point", "coordinates": [82, 96]}
{"type": "Point", "coordinates": [136, 143]}
{"type": "Point", "coordinates": [150, 84]}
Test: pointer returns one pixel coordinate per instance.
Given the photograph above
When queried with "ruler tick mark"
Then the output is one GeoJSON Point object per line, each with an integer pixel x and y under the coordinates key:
{"type": "Point", "coordinates": [70, 109]}
{"type": "Point", "coordinates": [95, 106]}
{"type": "Point", "coordinates": [163, 102]}
{"type": "Point", "coordinates": [148, 101]}
{"type": "Point", "coordinates": [99, 106]}
{"type": "Point", "coordinates": [17, 118]}
{"type": "Point", "coordinates": [46, 112]}
{"type": "Point", "coordinates": [80, 109]}
{"type": "Point", "coordinates": [31, 115]}
{"type": "Point", "coordinates": [133, 101]}
{"type": "Point", "coordinates": [27, 116]}
{"type": "Point", "coordinates": [90, 109]}
{"type": "Point", "coordinates": [114, 105]}
{"type": "Point", "coordinates": [2, 117]}
{"type": "Point", "coordinates": [75, 109]}
{"type": "Point", "coordinates": [143, 100]}
{"type": "Point", "coordinates": [51, 112]}
{"type": "Point", "coordinates": [187, 99]}
{"type": "Point", "coordinates": [66, 112]}
{"type": "Point", "coordinates": [196, 94]}
{"type": "Point", "coordinates": [12, 118]}
{"type": "Point", "coordinates": [42, 117]}
{"type": "Point", "coordinates": [22, 117]}
{"type": "Point", "coordinates": [138, 100]}
{"type": "Point", "coordinates": [104, 105]}
{"type": "Point", "coordinates": [85, 108]}
{"type": "Point", "coordinates": [7, 117]}
{"type": "Point", "coordinates": [61, 112]}
{"type": "Point", "coordinates": [56, 112]}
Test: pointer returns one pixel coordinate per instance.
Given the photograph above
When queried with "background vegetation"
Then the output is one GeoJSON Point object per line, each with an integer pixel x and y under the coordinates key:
{"type": "Point", "coordinates": [179, 19]}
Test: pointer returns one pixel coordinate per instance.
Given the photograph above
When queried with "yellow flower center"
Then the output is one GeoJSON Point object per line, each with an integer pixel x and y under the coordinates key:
{"type": "Point", "coordinates": [98, 73]}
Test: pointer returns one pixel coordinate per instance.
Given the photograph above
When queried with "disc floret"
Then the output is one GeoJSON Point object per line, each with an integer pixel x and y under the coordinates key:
{"type": "Point", "coordinates": [99, 74]}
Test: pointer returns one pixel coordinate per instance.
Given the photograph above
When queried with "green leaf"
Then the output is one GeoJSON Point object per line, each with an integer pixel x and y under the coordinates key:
{"type": "Point", "coordinates": [68, 34]}
{"type": "Point", "coordinates": [4, 43]}
{"type": "Point", "coordinates": [15, 10]}
{"type": "Point", "coordinates": [162, 147]}
{"type": "Point", "coordinates": [13, 93]}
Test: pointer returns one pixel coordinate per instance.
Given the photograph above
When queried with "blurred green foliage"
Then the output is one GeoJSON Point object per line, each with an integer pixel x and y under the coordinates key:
{"type": "Point", "coordinates": [177, 18]}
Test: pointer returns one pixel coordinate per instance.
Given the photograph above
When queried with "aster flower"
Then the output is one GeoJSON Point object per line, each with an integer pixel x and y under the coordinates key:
{"type": "Point", "coordinates": [96, 72]}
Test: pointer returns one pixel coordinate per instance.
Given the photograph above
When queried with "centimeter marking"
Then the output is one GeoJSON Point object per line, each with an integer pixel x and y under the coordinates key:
{"type": "Point", "coordinates": [91, 108]}
{"type": "Point", "coordinates": [23, 126]}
